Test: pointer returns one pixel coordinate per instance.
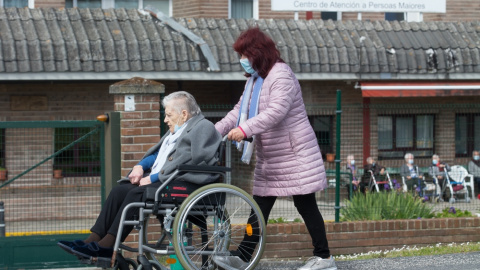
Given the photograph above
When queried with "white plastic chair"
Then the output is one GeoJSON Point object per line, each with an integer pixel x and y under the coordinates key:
{"type": "Point", "coordinates": [459, 174]}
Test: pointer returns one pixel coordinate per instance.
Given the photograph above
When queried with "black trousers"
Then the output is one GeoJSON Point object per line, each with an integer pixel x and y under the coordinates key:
{"type": "Point", "coordinates": [108, 220]}
{"type": "Point", "coordinates": [307, 207]}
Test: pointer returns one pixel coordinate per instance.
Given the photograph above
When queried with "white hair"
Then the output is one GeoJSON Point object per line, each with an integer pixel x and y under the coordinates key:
{"type": "Point", "coordinates": [369, 159]}
{"type": "Point", "coordinates": [435, 156]}
{"type": "Point", "coordinates": [187, 102]}
{"type": "Point", "coordinates": [407, 155]}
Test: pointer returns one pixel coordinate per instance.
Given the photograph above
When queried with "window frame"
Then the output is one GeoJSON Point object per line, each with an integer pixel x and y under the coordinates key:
{"type": "Point", "coordinates": [470, 133]}
{"type": "Point", "coordinates": [405, 150]}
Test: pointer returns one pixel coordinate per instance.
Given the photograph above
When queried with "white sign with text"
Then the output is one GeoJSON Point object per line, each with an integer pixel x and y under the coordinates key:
{"type": "Point", "coordinates": [430, 6]}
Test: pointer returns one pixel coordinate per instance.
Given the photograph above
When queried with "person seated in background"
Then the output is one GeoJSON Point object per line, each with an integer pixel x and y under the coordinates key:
{"type": "Point", "coordinates": [377, 169]}
{"type": "Point", "coordinates": [474, 169]}
{"type": "Point", "coordinates": [438, 170]}
{"type": "Point", "coordinates": [191, 140]}
{"type": "Point", "coordinates": [351, 168]}
{"type": "Point", "coordinates": [373, 166]}
{"type": "Point", "coordinates": [409, 172]}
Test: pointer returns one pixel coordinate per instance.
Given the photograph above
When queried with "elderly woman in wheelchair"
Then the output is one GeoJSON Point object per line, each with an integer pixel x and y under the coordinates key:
{"type": "Point", "coordinates": [197, 225]}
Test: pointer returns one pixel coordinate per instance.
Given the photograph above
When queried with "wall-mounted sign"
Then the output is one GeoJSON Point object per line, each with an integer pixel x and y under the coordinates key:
{"type": "Point", "coordinates": [426, 6]}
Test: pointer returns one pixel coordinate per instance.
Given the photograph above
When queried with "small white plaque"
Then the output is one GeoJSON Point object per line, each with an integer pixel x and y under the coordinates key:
{"type": "Point", "coordinates": [129, 103]}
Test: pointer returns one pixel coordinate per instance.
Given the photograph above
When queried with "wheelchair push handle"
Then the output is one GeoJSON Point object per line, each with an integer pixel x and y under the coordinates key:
{"type": "Point", "coordinates": [225, 138]}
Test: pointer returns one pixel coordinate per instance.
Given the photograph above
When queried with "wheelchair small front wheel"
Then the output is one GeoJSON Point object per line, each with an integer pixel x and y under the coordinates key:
{"type": "Point", "coordinates": [212, 219]}
{"type": "Point", "coordinates": [155, 266]}
{"type": "Point", "coordinates": [127, 262]}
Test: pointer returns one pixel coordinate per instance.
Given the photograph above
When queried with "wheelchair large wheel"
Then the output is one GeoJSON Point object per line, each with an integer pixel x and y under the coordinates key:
{"type": "Point", "coordinates": [214, 220]}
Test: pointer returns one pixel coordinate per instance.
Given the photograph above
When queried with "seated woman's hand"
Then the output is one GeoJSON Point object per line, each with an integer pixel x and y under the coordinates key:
{"type": "Point", "coordinates": [145, 181]}
{"type": "Point", "coordinates": [355, 182]}
{"type": "Point", "coordinates": [136, 175]}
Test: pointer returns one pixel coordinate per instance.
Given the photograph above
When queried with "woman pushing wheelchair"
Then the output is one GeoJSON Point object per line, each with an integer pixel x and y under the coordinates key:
{"type": "Point", "coordinates": [288, 159]}
{"type": "Point", "coordinates": [191, 140]}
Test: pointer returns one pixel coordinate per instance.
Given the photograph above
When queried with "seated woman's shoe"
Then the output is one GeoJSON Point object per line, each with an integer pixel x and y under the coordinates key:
{"type": "Point", "coordinates": [92, 250]}
{"type": "Point", "coordinates": [68, 245]}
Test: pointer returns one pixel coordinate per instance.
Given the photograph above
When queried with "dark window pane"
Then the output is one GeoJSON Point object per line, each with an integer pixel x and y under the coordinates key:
{"type": "Point", "coordinates": [322, 126]}
{"type": "Point", "coordinates": [242, 9]}
{"type": "Point", "coordinates": [385, 132]}
{"type": "Point", "coordinates": [84, 3]}
{"type": "Point", "coordinates": [328, 15]}
{"type": "Point", "coordinates": [15, 3]}
{"type": "Point", "coordinates": [394, 16]}
{"type": "Point", "coordinates": [126, 3]}
{"type": "Point", "coordinates": [467, 132]}
{"type": "Point", "coordinates": [461, 135]}
{"type": "Point", "coordinates": [2, 148]}
{"type": "Point", "coordinates": [404, 132]}
{"type": "Point", "coordinates": [424, 131]}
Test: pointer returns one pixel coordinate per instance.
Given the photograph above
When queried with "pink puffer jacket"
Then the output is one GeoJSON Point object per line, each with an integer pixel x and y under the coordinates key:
{"type": "Point", "coordinates": [288, 156]}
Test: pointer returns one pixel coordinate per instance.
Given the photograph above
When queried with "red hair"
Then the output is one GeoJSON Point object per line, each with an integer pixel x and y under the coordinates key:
{"type": "Point", "coordinates": [260, 50]}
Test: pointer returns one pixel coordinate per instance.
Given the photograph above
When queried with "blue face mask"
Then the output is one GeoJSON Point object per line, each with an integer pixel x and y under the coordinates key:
{"type": "Point", "coordinates": [352, 162]}
{"type": "Point", "coordinates": [435, 162]}
{"type": "Point", "coordinates": [476, 157]}
{"type": "Point", "coordinates": [177, 127]}
{"type": "Point", "coordinates": [246, 65]}
{"type": "Point", "coordinates": [410, 161]}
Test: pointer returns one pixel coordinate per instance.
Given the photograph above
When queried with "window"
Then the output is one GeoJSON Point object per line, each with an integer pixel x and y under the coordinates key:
{"type": "Point", "coordinates": [399, 134]}
{"type": "Point", "coordinates": [162, 5]}
{"type": "Point", "coordinates": [83, 158]}
{"type": "Point", "coordinates": [330, 15]}
{"type": "Point", "coordinates": [467, 134]}
{"type": "Point", "coordinates": [241, 9]}
{"type": "Point", "coordinates": [2, 148]}
{"type": "Point", "coordinates": [14, 3]}
{"type": "Point", "coordinates": [323, 128]}
{"type": "Point", "coordinates": [83, 3]}
{"type": "Point", "coordinates": [394, 16]}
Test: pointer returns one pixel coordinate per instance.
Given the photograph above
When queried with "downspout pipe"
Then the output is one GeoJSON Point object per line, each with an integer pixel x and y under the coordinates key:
{"type": "Point", "coordinates": [207, 53]}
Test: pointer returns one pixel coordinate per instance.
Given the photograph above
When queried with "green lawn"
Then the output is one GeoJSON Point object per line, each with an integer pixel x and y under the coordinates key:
{"type": "Point", "coordinates": [408, 251]}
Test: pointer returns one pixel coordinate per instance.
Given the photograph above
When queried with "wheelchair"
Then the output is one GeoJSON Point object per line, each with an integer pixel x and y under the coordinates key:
{"type": "Point", "coordinates": [195, 228]}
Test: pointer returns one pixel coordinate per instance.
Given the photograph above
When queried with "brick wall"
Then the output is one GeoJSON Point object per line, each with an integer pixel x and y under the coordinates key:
{"type": "Point", "coordinates": [467, 10]}
{"type": "Point", "coordinates": [292, 240]}
{"type": "Point", "coordinates": [363, 236]}
{"type": "Point", "coordinates": [49, 3]}
{"type": "Point", "coordinates": [139, 129]}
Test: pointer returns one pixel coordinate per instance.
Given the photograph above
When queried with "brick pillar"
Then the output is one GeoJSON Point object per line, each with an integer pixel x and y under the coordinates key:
{"type": "Point", "coordinates": [138, 101]}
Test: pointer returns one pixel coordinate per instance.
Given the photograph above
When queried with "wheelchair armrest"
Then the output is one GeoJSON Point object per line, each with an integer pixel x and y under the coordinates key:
{"type": "Point", "coordinates": [199, 168]}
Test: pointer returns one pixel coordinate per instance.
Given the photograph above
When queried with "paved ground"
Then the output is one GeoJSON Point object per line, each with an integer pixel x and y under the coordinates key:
{"type": "Point", "coordinates": [463, 261]}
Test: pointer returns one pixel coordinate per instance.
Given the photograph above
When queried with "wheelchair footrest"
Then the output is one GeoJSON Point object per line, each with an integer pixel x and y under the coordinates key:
{"type": "Point", "coordinates": [97, 261]}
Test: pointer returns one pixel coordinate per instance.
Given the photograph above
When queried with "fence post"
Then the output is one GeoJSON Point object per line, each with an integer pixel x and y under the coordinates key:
{"type": "Point", "coordinates": [2, 220]}
{"type": "Point", "coordinates": [337, 156]}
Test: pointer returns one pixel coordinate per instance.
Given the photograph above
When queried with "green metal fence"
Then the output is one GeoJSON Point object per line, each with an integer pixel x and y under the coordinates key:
{"type": "Point", "coordinates": [52, 190]}
{"type": "Point", "coordinates": [386, 131]}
